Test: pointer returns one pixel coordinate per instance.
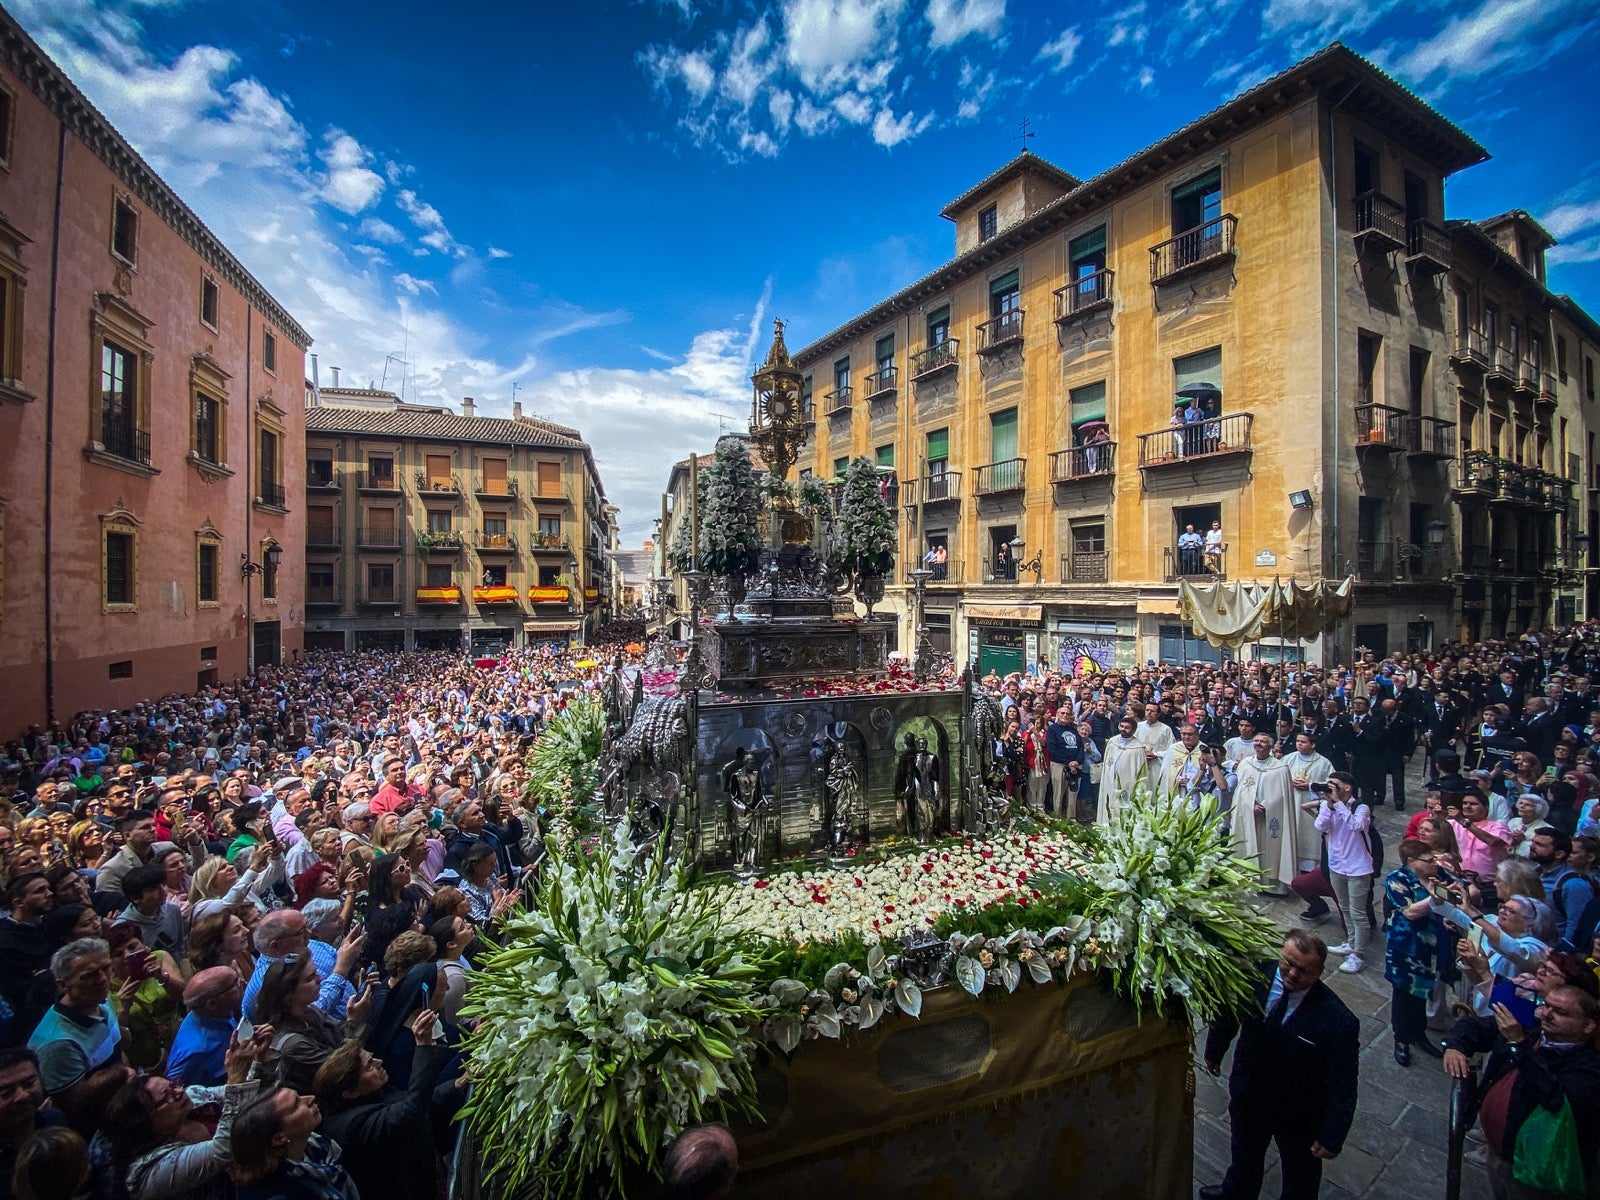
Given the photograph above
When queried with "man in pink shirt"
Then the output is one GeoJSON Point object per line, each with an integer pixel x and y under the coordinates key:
{"type": "Point", "coordinates": [393, 796]}
{"type": "Point", "coordinates": [1484, 843]}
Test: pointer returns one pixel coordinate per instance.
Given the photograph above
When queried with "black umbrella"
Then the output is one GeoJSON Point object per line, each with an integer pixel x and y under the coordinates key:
{"type": "Point", "coordinates": [1200, 391]}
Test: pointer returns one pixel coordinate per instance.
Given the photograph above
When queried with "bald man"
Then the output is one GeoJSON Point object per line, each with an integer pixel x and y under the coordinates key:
{"type": "Point", "coordinates": [212, 997]}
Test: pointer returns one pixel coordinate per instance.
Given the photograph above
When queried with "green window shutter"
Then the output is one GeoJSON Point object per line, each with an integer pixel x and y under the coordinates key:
{"type": "Point", "coordinates": [840, 466]}
{"type": "Point", "coordinates": [1003, 435]}
{"type": "Point", "coordinates": [886, 455]}
{"type": "Point", "coordinates": [886, 347]}
{"type": "Point", "coordinates": [1088, 403]}
{"type": "Point", "coordinates": [1204, 367]}
{"type": "Point", "coordinates": [1093, 242]}
{"type": "Point", "coordinates": [1006, 283]}
{"type": "Point", "coordinates": [1199, 186]}
{"type": "Point", "coordinates": [939, 445]}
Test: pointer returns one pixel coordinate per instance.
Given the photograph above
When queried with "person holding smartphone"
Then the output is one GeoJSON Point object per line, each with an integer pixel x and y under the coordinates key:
{"type": "Point", "coordinates": [1346, 825]}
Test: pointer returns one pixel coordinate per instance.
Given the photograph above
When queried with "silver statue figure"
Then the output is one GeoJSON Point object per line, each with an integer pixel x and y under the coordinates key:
{"type": "Point", "coordinates": [842, 794]}
{"type": "Point", "coordinates": [750, 806]}
{"type": "Point", "coordinates": [919, 799]}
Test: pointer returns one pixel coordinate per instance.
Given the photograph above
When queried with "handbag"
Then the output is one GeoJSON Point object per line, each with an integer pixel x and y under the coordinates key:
{"type": "Point", "coordinates": [1546, 1157]}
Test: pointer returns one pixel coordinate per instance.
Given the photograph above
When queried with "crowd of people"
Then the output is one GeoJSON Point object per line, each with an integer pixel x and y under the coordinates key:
{"type": "Point", "coordinates": [242, 924]}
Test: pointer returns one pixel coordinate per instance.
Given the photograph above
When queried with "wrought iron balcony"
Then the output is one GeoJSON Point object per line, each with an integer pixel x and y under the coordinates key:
{"type": "Point", "coordinates": [1471, 349]}
{"type": "Point", "coordinates": [1085, 566]}
{"type": "Point", "coordinates": [125, 440]}
{"type": "Point", "coordinates": [935, 360]}
{"type": "Point", "coordinates": [496, 543]}
{"type": "Point", "coordinates": [371, 481]}
{"type": "Point", "coordinates": [1193, 248]}
{"type": "Point", "coordinates": [1502, 365]}
{"type": "Point", "coordinates": [380, 595]}
{"type": "Point", "coordinates": [323, 538]}
{"type": "Point", "coordinates": [443, 541]}
{"type": "Point", "coordinates": [550, 543]}
{"type": "Point", "coordinates": [1380, 427]}
{"type": "Point", "coordinates": [1430, 437]}
{"type": "Point", "coordinates": [881, 383]}
{"type": "Point", "coordinates": [1547, 387]}
{"type": "Point", "coordinates": [1212, 437]}
{"type": "Point", "coordinates": [271, 494]}
{"type": "Point", "coordinates": [946, 572]}
{"type": "Point", "coordinates": [1094, 460]}
{"type": "Point", "coordinates": [1527, 378]}
{"type": "Point", "coordinates": [381, 538]}
{"type": "Point", "coordinates": [330, 596]}
{"type": "Point", "coordinates": [933, 489]}
{"type": "Point", "coordinates": [1002, 333]}
{"type": "Point", "coordinates": [440, 485]}
{"type": "Point", "coordinates": [1428, 248]}
{"type": "Point", "coordinates": [505, 489]}
{"type": "Point", "coordinates": [1084, 295]}
{"type": "Point", "coordinates": [1375, 561]}
{"type": "Point", "coordinates": [322, 481]}
{"type": "Point", "coordinates": [1380, 222]}
{"type": "Point", "coordinates": [1009, 475]}
{"type": "Point", "coordinates": [1179, 563]}
{"type": "Point", "coordinates": [837, 402]}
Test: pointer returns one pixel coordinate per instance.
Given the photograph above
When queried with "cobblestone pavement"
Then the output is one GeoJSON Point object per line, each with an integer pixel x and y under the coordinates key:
{"type": "Point", "coordinates": [1396, 1148]}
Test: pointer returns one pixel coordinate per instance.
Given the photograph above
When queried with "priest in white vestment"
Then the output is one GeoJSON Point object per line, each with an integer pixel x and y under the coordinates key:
{"type": "Point", "coordinates": [1178, 762]}
{"type": "Point", "coordinates": [1306, 767]}
{"type": "Point", "coordinates": [1265, 792]}
{"type": "Point", "coordinates": [1123, 768]}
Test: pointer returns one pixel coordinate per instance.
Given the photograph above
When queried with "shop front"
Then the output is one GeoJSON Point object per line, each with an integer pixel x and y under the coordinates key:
{"type": "Point", "coordinates": [1003, 638]}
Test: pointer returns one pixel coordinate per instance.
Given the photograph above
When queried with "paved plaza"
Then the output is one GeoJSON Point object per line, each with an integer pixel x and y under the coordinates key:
{"type": "Point", "coordinates": [1396, 1147]}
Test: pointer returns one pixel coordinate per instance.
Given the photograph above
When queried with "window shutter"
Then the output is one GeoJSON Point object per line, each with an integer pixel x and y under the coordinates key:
{"type": "Point", "coordinates": [939, 445]}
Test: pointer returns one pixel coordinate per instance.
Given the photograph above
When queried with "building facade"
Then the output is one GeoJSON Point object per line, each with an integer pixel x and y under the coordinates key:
{"type": "Point", "coordinates": [150, 419]}
{"type": "Point", "coordinates": [1234, 332]}
{"type": "Point", "coordinates": [427, 528]}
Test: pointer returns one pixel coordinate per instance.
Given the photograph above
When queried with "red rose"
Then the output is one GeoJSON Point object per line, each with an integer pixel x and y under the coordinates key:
{"type": "Point", "coordinates": [761, 883]}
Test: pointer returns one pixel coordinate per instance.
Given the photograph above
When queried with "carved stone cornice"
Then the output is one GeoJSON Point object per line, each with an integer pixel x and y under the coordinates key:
{"type": "Point", "coordinates": [40, 75]}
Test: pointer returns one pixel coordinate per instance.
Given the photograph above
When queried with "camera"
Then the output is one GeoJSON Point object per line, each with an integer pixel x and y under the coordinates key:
{"type": "Point", "coordinates": [1321, 789]}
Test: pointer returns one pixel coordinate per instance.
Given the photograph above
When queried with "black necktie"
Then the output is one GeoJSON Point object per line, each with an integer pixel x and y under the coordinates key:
{"type": "Point", "coordinates": [1280, 1006]}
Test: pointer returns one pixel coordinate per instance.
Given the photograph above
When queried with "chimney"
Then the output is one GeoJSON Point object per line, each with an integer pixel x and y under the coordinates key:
{"type": "Point", "coordinates": [468, 408]}
{"type": "Point", "coordinates": [516, 410]}
{"type": "Point", "coordinates": [335, 371]}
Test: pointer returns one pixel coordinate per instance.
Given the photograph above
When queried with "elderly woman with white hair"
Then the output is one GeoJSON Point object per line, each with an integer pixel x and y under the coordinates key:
{"type": "Point", "coordinates": [1531, 810]}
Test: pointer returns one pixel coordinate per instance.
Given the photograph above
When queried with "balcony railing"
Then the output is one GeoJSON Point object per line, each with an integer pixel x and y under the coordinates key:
{"type": "Point", "coordinates": [1375, 560]}
{"type": "Point", "coordinates": [322, 480]}
{"type": "Point", "coordinates": [380, 595]}
{"type": "Point", "coordinates": [1380, 222]}
{"type": "Point", "coordinates": [935, 360]}
{"type": "Point", "coordinates": [370, 481]}
{"type": "Point", "coordinates": [1503, 364]}
{"type": "Point", "coordinates": [1430, 437]}
{"type": "Point", "coordinates": [549, 543]}
{"type": "Point", "coordinates": [1009, 475]}
{"type": "Point", "coordinates": [381, 538]}
{"type": "Point", "coordinates": [333, 594]}
{"type": "Point", "coordinates": [323, 538]}
{"type": "Point", "coordinates": [1084, 295]}
{"type": "Point", "coordinates": [1547, 387]}
{"type": "Point", "coordinates": [1471, 349]}
{"type": "Point", "coordinates": [1181, 563]}
{"type": "Point", "coordinates": [444, 541]}
{"type": "Point", "coordinates": [837, 401]}
{"type": "Point", "coordinates": [933, 489]}
{"type": "Point", "coordinates": [1428, 248]}
{"type": "Point", "coordinates": [1083, 462]}
{"type": "Point", "coordinates": [1003, 332]}
{"type": "Point", "coordinates": [881, 383]}
{"type": "Point", "coordinates": [125, 440]}
{"type": "Point", "coordinates": [444, 485]}
{"type": "Point", "coordinates": [497, 593]}
{"type": "Point", "coordinates": [1197, 247]}
{"type": "Point", "coordinates": [1208, 438]}
{"type": "Point", "coordinates": [506, 488]}
{"type": "Point", "coordinates": [553, 491]}
{"type": "Point", "coordinates": [502, 543]}
{"type": "Point", "coordinates": [1380, 427]}
{"type": "Point", "coordinates": [270, 494]}
{"type": "Point", "coordinates": [1085, 566]}
{"type": "Point", "coordinates": [948, 571]}
{"type": "Point", "coordinates": [1527, 378]}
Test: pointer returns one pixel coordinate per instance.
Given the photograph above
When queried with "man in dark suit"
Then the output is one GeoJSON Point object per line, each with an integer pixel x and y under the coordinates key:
{"type": "Point", "coordinates": [1399, 740]}
{"type": "Point", "coordinates": [1294, 1074]}
{"type": "Point", "coordinates": [1441, 723]}
{"type": "Point", "coordinates": [1368, 752]}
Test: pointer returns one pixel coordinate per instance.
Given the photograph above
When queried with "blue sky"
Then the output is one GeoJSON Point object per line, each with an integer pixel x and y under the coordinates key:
{"type": "Point", "coordinates": [599, 207]}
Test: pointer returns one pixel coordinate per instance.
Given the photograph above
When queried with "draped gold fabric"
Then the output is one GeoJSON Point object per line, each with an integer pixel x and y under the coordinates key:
{"type": "Point", "coordinates": [1232, 615]}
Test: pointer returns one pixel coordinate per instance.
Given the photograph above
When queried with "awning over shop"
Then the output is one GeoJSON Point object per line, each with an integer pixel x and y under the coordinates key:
{"type": "Point", "coordinates": [1231, 615]}
{"type": "Point", "coordinates": [549, 626]}
{"type": "Point", "coordinates": [1027, 614]}
{"type": "Point", "coordinates": [1157, 606]}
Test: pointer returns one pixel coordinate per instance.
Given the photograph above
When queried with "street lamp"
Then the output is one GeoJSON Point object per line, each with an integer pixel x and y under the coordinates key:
{"type": "Point", "coordinates": [269, 561]}
{"type": "Point", "coordinates": [574, 599]}
{"type": "Point", "coordinates": [1436, 532]}
{"type": "Point", "coordinates": [1034, 564]}
{"type": "Point", "coordinates": [922, 649]}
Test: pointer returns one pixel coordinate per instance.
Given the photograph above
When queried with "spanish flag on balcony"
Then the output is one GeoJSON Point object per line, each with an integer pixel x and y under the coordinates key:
{"type": "Point", "coordinates": [591, 594]}
{"type": "Point", "coordinates": [494, 595]}
{"type": "Point", "coordinates": [438, 595]}
{"type": "Point", "coordinates": [548, 595]}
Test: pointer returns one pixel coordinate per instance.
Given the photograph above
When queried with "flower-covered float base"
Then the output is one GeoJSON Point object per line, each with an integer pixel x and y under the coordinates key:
{"type": "Point", "coordinates": [1054, 1091]}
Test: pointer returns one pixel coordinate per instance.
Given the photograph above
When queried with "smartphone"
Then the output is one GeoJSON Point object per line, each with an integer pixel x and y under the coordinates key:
{"type": "Point", "coordinates": [1519, 1000]}
{"type": "Point", "coordinates": [1446, 875]}
{"type": "Point", "coordinates": [139, 965]}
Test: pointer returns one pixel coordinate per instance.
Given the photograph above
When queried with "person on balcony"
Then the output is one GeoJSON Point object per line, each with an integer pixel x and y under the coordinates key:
{"type": "Point", "coordinates": [1097, 437]}
{"type": "Point", "coordinates": [1214, 546]}
{"type": "Point", "coordinates": [1190, 545]}
{"type": "Point", "coordinates": [1180, 434]}
{"type": "Point", "coordinates": [1004, 566]}
{"type": "Point", "coordinates": [1193, 414]}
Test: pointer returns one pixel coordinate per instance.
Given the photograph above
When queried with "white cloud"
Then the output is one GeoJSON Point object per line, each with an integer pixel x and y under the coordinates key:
{"type": "Point", "coordinates": [953, 20]}
{"type": "Point", "coordinates": [1580, 251]}
{"type": "Point", "coordinates": [853, 107]}
{"type": "Point", "coordinates": [1567, 219]}
{"type": "Point", "coordinates": [375, 229]}
{"type": "Point", "coordinates": [975, 86]}
{"type": "Point", "coordinates": [1499, 38]}
{"type": "Point", "coordinates": [496, 252]}
{"type": "Point", "coordinates": [1145, 79]}
{"type": "Point", "coordinates": [1059, 52]}
{"type": "Point", "coordinates": [349, 185]}
{"type": "Point", "coordinates": [888, 130]}
{"type": "Point", "coordinates": [428, 219]}
{"type": "Point", "coordinates": [830, 43]}
{"type": "Point", "coordinates": [414, 286]}
{"type": "Point", "coordinates": [780, 107]}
